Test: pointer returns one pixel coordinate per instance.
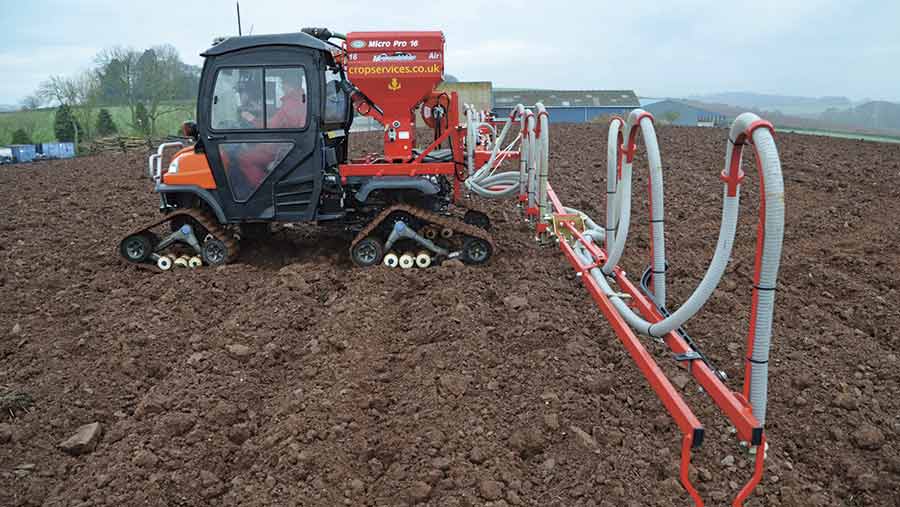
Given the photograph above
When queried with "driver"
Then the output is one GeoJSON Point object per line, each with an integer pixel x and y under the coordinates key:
{"type": "Point", "coordinates": [292, 113]}
{"type": "Point", "coordinates": [257, 162]}
{"type": "Point", "coordinates": [250, 110]}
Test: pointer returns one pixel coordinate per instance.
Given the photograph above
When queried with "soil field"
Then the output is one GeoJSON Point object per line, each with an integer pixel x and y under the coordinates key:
{"type": "Point", "coordinates": [293, 378]}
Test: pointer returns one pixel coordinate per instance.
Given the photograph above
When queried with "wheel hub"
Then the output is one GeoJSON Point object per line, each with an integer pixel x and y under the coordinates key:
{"type": "Point", "coordinates": [135, 249]}
{"type": "Point", "coordinates": [215, 253]}
{"type": "Point", "coordinates": [367, 253]}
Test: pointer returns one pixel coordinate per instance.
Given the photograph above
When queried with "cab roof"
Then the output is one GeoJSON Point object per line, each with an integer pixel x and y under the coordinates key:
{"type": "Point", "coordinates": [297, 39]}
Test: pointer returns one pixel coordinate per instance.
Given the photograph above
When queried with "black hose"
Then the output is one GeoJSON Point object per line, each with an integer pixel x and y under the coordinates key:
{"type": "Point", "coordinates": [646, 277]}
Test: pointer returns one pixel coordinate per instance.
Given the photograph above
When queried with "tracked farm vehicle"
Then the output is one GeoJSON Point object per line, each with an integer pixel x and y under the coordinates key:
{"type": "Point", "coordinates": [270, 144]}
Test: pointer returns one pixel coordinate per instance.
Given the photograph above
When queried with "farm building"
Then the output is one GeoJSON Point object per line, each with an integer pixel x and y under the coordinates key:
{"type": "Point", "coordinates": [569, 106]}
{"type": "Point", "coordinates": [686, 114]}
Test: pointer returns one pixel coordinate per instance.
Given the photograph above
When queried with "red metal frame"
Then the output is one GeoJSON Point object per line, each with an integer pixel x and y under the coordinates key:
{"type": "Point", "coordinates": [734, 405]}
{"type": "Point", "coordinates": [410, 169]}
{"type": "Point", "coordinates": [394, 73]}
{"type": "Point", "coordinates": [376, 166]}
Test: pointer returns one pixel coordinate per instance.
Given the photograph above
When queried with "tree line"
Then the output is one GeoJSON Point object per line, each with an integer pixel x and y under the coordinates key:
{"type": "Point", "coordinates": [148, 83]}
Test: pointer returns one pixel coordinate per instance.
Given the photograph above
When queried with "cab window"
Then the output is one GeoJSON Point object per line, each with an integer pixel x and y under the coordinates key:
{"type": "Point", "coordinates": [248, 98]}
{"type": "Point", "coordinates": [335, 98]}
{"type": "Point", "coordinates": [238, 99]}
{"type": "Point", "coordinates": [285, 98]}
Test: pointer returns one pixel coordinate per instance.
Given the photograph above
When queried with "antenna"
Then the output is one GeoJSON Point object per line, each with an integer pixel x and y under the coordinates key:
{"type": "Point", "coordinates": [238, 5]}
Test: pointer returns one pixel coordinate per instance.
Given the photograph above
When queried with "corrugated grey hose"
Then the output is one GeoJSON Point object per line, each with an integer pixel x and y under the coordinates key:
{"type": "Point", "coordinates": [767, 154]}
{"type": "Point", "coordinates": [481, 179]}
{"type": "Point", "coordinates": [612, 180]}
{"type": "Point", "coordinates": [773, 183]}
{"type": "Point", "coordinates": [524, 149]}
{"type": "Point", "coordinates": [620, 220]}
{"type": "Point", "coordinates": [533, 162]}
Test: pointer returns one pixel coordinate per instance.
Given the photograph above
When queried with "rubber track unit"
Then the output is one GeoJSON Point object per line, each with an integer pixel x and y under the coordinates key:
{"type": "Point", "coordinates": [207, 221]}
{"type": "Point", "coordinates": [457, 225]}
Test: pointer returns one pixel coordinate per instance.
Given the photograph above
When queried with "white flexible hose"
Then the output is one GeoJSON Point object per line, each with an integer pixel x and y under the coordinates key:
{"type": "Point", "coordinates": [612, 179]}
{"type": "Point", "coordinates": [481, 179]}
{"type": "Point", "coordinates": [621, 196]}
{"type": "Point", "coordinates": [767, 154]}
{"type": "Point", "coordinates": [544, 156]}
{"type": "Point", "coordinates": [532, 160]}
{"type": "Point", "coordinates": [618, 209]}
{"type": "Point", "coordinates": [589, 224]}
{"type": "Point", "coordinates": [524, 148]}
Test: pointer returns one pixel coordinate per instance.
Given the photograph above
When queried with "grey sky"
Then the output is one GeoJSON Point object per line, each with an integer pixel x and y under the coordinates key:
{"type": "Point", "coordinates": [665, 48]}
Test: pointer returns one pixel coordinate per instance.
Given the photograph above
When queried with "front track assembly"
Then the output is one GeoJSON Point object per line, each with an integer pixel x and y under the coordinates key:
{"type": "Point", "coordinates": [195, 229]}
{"type": "Point", "coordinates": [406, 236]}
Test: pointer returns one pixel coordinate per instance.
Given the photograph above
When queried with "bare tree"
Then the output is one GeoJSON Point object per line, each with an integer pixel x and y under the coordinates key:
{"type": "Point", "coordinates": [84, 88]}
{"type": "Point", "coordinates": [80, 92]}
{"type": "Point", "coordinates": [158, 70]}
{"type": "Point", "coordinates": [58, 89]}
{"type": "Point", "coordinates": [118, 79]}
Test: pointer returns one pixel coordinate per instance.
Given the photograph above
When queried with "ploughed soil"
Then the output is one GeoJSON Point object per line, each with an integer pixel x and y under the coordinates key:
{"type": "Point", "coordinates": [293, 378]}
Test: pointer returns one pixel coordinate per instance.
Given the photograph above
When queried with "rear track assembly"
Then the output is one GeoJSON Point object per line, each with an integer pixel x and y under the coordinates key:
{"type": "Point", "coordinates": [369, 245]}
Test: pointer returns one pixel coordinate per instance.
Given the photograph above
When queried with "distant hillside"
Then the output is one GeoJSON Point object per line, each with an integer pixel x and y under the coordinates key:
{"type": "Point", "coordinates": [875, 118]}
{"type": "Point", "coordinates": [787, 104]}
{"type": "Point", "coordinates": [5, 108]}
{"type": "Point", "coordinates": [879, 115]}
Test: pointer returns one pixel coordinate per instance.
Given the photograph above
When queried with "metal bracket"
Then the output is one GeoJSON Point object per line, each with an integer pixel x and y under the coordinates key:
{"type": "Point", "coordinates": [559, 228]}
{"type": "Point", "coordinates": [689, 356]}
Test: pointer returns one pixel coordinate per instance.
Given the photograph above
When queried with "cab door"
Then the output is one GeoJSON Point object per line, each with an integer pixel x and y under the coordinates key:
{"type": "Point", "coordinates": [259, 120]}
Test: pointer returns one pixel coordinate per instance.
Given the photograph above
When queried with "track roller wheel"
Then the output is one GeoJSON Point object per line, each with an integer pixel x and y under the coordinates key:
{"type": "Point", "coordinates": [391, 260]}
{"type": "Point", "coordinates": [368, 252]}
{"type": "Point", "coordinates": [407, 261]}
{"type": "Point", "coordinates": [164, 263]}
{"type": "Point", "coordinates": [478, 219]}
{"type": "Point", "coordinates": [138, 247]}
{"type": "Point", "coordinates": [423, 260]}
{"type": "Point", "coordinates": [476, 251]}
{"type": "Point", "coordinates": [215, 252]}
{"type": "Point", "coordinates": [429, 232]}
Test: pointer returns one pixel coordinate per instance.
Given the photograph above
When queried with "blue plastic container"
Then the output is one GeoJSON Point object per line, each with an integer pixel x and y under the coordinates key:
{"type": "Point", "coordinates": [23, 152]}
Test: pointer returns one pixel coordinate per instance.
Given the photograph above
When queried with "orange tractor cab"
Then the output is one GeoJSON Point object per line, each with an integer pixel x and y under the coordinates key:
{"type": "Point", "coordinates": [270, 144]}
